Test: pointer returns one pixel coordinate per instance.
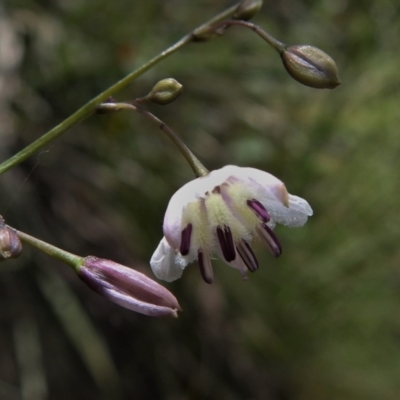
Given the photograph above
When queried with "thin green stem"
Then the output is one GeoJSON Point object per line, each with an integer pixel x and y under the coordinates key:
{"type": "Point", "coordinates": [89, 108]}
{"type": "Point", "coordinates": [276, 44]}
{"type": "Point", "coordinates": [198, 168]}
{"type": "Point", "coordinates": [68, 258]}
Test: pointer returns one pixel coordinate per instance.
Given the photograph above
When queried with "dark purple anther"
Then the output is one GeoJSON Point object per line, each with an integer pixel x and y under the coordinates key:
{"type": "Point", "coordinates": [259, 210]}
{"type": "Point", "coordinates": [185, 240]}
{"type": "Point", "coordinates": [247, 255]}
{"type": "Point", "coordinates": [270, 239]}
{"type": "Point", "coordinates": [226, 242]}
{"type": "Point", "coordinates": [206, 270]}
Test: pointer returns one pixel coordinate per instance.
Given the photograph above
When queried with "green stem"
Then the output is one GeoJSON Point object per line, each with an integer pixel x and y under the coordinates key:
{"type": "Point", "coordinates": [68, 258]}
{"type": "Point", "coordinates": [198, 168]}
{"type": "Point", "coordinates": [276, 44]}
{"type": "Point", "coordinates": [89, 107]}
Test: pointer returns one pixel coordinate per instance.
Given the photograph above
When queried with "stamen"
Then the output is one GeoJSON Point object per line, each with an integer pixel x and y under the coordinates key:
{"type": "Point", "coordinates": [205, 265]}
{"type": "Point", "coordinates": [185, 240]}
{"type": "Point", "coordinates": [270, 239]}
{"type": "Point", "coordinates": [241, 266]}
{"type": "Point", "coordinates": [247, 255]}
{"type": "Point", "coordinates": [226, 242]}
{"type": "Point", "coordinates": [259, 210]}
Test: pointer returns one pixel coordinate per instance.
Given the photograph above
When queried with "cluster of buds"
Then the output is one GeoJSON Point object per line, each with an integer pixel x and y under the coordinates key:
{"type": "Point", "coordinates": [220, 213]}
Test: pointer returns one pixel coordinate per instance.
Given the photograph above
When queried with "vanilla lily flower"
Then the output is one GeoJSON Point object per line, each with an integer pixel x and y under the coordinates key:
{"type": "Point", "coordinates": [221, 213]}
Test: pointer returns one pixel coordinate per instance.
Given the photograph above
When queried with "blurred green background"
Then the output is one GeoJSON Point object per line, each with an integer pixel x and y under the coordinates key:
{"type": "Point", "coordinates": [322, 322]}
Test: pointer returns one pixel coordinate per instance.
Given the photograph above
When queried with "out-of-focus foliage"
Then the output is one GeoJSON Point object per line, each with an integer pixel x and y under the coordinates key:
{"type": "Point", "coordinates": [319, 323]}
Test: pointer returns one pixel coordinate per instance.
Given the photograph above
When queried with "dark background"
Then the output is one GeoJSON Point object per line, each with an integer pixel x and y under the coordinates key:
{"type": "Point", "coordinates": [319, 323]}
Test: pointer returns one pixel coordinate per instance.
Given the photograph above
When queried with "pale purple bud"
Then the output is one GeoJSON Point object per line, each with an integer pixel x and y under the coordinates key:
{"type": "Point", "coordinates": [10, 244]}
{"type": "Point", "coordinates": [128, 288]}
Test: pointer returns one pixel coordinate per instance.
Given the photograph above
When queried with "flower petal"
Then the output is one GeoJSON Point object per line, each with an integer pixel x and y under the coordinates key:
{"type": "Point", "coordinates": [139, 306]}
{"type": "Point", "coordinates": [166, 263]}
{"type": "Point", "coordinates": [295, 215]}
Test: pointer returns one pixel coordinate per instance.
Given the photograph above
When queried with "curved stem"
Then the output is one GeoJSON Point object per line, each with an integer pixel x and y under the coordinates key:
{"type": "Point", "coordinates": [198, 168]}
{"type": "Point", "coordinates": [89, 108]}
{"type": "Point", "coordinates": [276, 44]}
{"type": "Point", "coordinates": [68, 258]}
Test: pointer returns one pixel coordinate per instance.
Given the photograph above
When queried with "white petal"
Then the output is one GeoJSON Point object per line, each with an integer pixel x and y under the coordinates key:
{"type": "Point", "coordinates": [262, 178]}
{"type": "Point", "coordinates": [166, 264]}
{"type": "Point", "coordinates": [268, 190]}
{"type": "Point", "coordinates": [266, 185]}
{"type": "Point", "coordinates": [295, 215]}
{"type": "Point", "coordinates": [192, 191]}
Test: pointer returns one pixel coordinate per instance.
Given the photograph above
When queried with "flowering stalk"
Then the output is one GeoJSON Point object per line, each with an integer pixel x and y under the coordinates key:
{"type": "Point", "coordinates": [306, 64]}
{"type": "Point", "coordinates": [276, 44]}
{"type": "Point", "coordinates": [68, 258]}
{"type": "Point", "coordinates": [198, 168]}
{"type": "Point", "coordinates": [89, 108]}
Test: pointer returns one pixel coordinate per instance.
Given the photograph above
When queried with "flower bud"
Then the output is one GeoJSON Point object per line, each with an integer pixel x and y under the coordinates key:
{"type": "Point", "coordinates": [206, 33]}
{"type": "Point", "coordinates": [165, 91]}
{"type": "Point", "coordinates": [310, 66]}
{"type": "Point", "coordinates": [128, 288]}
{"type": "Point", "coordinates": [247, 9]}
{"type": "Point", "coordinates": [10, 244]}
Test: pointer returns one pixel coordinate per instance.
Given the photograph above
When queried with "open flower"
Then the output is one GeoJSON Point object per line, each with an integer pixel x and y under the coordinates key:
{"type": "Point", "coordinates": [221, 213]}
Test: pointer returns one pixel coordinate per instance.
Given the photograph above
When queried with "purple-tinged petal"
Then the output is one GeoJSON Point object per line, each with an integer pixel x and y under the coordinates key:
{"type": "Point", "coordinates": [128, 288]}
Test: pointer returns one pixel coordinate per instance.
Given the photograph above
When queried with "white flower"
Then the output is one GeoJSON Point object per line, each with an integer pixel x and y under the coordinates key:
{"type": "Point", "coordinates": [221, 213]}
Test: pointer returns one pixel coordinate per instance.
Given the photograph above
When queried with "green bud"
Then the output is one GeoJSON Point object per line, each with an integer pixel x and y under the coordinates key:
{"type": "Point", "coordinates": [206, 33]}
{"type": "Point", "coordinates": [247, 9]}
{"type": "Point", "coordinates": [10, 244]}
{"type": "Point", "coordinates": [310, 66]}
{"type": "Point", "coordinates": [165, 91]}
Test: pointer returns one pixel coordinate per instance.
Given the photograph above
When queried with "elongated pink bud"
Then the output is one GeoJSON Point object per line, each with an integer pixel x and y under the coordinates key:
{"type": "Point", "coordinates": [128, 288]}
